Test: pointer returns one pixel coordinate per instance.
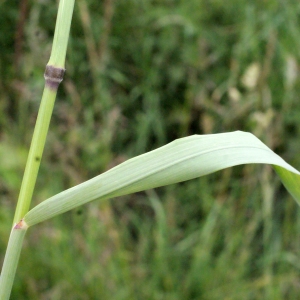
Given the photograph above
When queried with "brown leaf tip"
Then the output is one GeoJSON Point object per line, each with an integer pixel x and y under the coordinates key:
{"type": "Point", "coordinates": [21, 225]}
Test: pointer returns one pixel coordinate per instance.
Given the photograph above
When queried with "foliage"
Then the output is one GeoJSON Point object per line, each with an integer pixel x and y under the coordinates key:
{"type": "Point", "coordinates": [152, 72]}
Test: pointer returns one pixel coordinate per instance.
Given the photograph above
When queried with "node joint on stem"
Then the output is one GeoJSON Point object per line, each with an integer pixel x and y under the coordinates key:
{"type": "Point", "coordinates": [21, 225]}
{"type": "Point", "coordinates": [53, 76]}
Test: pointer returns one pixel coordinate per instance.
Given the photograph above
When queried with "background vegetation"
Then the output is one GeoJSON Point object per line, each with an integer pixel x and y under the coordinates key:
{"type": "Point", "coordinates": [141, 74]}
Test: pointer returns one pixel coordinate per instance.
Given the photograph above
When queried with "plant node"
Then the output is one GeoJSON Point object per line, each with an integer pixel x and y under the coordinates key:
{"type": "Point", "coordinates": [53, 76]}
{"type": "Point", "coordinates": [21, 225]}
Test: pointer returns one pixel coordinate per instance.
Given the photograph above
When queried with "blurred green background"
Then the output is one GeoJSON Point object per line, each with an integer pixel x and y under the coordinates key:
{"type": "Point", "coordinates": [141, 73]}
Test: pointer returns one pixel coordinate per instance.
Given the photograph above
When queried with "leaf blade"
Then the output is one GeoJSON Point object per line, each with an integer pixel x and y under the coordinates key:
{"type": "Point", "coordinates": [181, 160]}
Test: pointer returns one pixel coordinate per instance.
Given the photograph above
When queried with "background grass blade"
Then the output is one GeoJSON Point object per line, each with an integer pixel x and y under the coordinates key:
{"type": "Point", "coordinates": [181, 160]}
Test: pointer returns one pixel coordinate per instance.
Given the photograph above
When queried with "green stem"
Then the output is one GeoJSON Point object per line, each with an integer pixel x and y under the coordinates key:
{"type": "Point", "coordinates": [11, 259]}
{"type": "Point", "coordinates": [53, 75]}
{"type": "Point", "coordinates": [53, 78]}
{"type": "Point", "coordinates": [35, 153]}
{"type": "Point", "coordinates": [61, 35]}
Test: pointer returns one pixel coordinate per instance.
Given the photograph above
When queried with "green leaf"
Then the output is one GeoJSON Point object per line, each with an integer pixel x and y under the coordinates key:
{"type": "Point", "coordinates": [181, 160]}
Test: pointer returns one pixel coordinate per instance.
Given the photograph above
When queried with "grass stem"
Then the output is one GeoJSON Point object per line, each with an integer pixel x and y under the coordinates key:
{"type": "Point", "coordinates": [11, 259]}
{"type": "Point", "coordinates": [53, 76]}
{"type": "Point", "coordinates": [35, 153]}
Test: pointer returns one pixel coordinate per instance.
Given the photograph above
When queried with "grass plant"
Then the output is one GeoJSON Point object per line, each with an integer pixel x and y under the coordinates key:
{"type": "Point", "coordinates": [178, 161]}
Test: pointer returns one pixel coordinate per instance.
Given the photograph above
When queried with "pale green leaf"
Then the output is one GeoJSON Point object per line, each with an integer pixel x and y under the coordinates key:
{"type": "Point", "coordinates": [181, 160]}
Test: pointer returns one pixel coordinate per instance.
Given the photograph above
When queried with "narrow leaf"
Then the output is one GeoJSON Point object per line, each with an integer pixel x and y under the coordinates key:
{"type": "Point", "coordinates": [181, 160]}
